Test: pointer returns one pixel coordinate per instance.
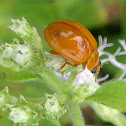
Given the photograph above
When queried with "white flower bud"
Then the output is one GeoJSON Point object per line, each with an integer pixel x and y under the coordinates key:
{"type": "Point", "coordinates": [24, 113]}
{"type": "Point", "coordinates": [5, 99]}
{"type": "Point", "coordinates": [22, 54]}
{"type": "Point", "coordinates": [21, 57]}
{"type": "Point", "coordinates": [53, 109]}
{"type": "Point", "coordinates": [26, 32]}
{"type": "Point", "coordinates": [84, 77]}
{"type": "Point", "coordinates": [84, 85]}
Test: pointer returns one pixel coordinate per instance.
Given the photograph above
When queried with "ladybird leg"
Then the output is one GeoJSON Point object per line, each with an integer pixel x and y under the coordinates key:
{"type": "Point", "coordinates": [84, 65]}
{"type": "Point", "coordinates": [68, 64]}
{"type": "Point", "coordinates": [62, 66]}
{"type": "Point", "coordinates": [53, 52]}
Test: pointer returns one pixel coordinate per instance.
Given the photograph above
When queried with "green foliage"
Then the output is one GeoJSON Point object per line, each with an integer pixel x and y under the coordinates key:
{"type": "Point", "coordinates": [18, 76]}
{"type": "Point", "coordinates": [108, 114]}
{"type": "Point", "coordinates": [112, 93]}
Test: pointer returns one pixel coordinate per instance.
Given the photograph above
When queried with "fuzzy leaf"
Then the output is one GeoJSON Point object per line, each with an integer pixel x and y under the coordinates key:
{"type": "Point", "coordinates": [112, 94]}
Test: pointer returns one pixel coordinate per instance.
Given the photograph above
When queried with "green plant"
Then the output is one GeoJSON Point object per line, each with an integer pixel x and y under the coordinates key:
{"type": "Point", "coordinates": [71, 85]}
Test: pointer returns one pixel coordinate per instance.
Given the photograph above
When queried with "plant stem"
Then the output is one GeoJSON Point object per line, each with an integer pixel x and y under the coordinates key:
{"type": "Point", "coordinates": [75, 113]}
{"type": "Point", "coordinates": [53, 81]}
{"type": "Point", "coordinates": [71, 79]}
{"type": "Point", "coordinates": [58, 86]}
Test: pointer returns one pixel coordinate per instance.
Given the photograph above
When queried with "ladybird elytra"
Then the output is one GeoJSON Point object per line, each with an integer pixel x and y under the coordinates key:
{"type": "Point", "coordinates": [81, 29]}
{"type": "Point", "coordinates": [73, 42]}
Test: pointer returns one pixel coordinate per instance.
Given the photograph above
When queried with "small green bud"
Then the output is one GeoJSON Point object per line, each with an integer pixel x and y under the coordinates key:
{"type": "Point", "coordinates": [26, 32]}
{"type": "Point", "coordinates": [82, 91]}
{"type": "Point", "coordinates": [21, 57]}
{"type": "Point", "coordinates": [5, 99]}
{"type": "Point", "coordinates": [53, 108]}
{"type": "Point", "coordinates": [25, 113]}
{"type": "Point", "coordinates": [84, 85]}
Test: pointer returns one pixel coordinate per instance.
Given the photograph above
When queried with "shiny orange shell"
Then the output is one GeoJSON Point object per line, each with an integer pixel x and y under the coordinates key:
{"type": "Point", "coordinates": [73, 42]}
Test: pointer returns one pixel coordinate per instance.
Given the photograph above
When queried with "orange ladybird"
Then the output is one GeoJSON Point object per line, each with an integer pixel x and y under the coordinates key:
{"type": "Point", "coordinates": [73, 42]}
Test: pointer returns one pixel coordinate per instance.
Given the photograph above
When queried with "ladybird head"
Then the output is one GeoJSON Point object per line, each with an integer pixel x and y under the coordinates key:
{"type": "Point", "coordinates": [97, 68]}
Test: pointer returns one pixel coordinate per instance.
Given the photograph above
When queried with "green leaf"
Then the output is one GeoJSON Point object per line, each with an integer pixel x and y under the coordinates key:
{"type": "Point", "coordinates": [17, 76]}
{"type": "Point", "coordinates": [112, 94]}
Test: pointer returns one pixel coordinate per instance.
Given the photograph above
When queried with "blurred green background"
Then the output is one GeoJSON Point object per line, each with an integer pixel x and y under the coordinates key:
{"type": "Point", "coordinates": [101, 17]}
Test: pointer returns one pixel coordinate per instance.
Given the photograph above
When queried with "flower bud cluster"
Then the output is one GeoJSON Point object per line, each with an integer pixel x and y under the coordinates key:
{"type": "Point", "coordinates": [25, 53]}
{"type": "Point", "coordinates": [84, 85]}
{"type": "Point", "coordinates": [53, 109]}
{"type": "Point", "coordinates": [28, 112]}
{"type": "Point", "coordinates": [24, 112]}
{"type": "Point", "coordinates": [20, 57]}
{"type": "Point", "coordinates": [27, 33]}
